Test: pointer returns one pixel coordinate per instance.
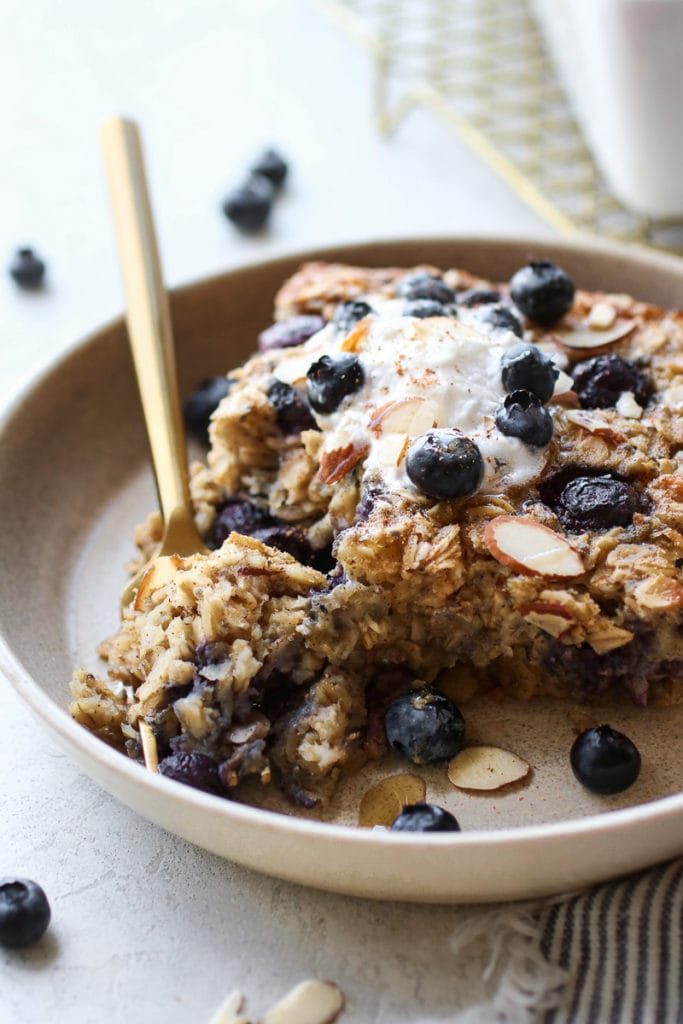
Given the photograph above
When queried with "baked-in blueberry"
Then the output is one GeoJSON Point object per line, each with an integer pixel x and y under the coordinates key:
{"type": "Point", "coordinates": [199, 407]}
{"type": "Point", "coordinates": [596, 503]}
{"type": "Point", "coordinates": [347, 314]}
{"type": "Point", "coordinates": [524, 367]}
{"type": "Point", "coordinates": [523, 415]}
{"type": "Point", "coordinates": [424, 308]}
{"type": "Point", "coordinates": [604, 760]}
{"type": "Point", "coordinates": [424, 726]}
{"type": "Point", "coordinates": [24, 912]}
{"type": "Point", "coordinates": [444, 464]}
{"type": "Point", "coordinates": [425, 818]}
{"type": "Point", "coordinates": [290, 539]}
{"type": "Point", "coordinates": [500, 318]}
{"type": "Point", "coordinates": [249, 206]}
{"type": "Point", "coordinates": [600, 381]}
{"type": "Point", "coordinates": [293, 331]}
{"type": "Point", "coordinates": [331, 378]}
{"type": "Point", "coordinates": [27, 269]}
{"type": "Point", "coordinates": [478, 296]}
{"type": "Point", "coordinates": [542, 291]}
{"type": "Point", "coordinates": [423, 285]}
{"type": "Point", "coordinates": [238, 516]}
{"type": "Point", "coordinates": [272, 166]}
{"type": "Point", "coordinates": [292, 415]}
{"type": "Point", "coordinates": [194, 769]}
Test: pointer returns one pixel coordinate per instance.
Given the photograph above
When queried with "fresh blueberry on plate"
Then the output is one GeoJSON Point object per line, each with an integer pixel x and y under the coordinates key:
{"type": "Point", "coordinates": [604, 760]}
{"type": "Point", "coordinates": [523, 415]}
{"type": "Point", "coordinates": [425, 818]}
{"type": "Point", "coordinates": [542, 291]}
{"type": "Point", "coordinates": [24, 912]}
{"type": "Point", "coordinates": [424, 726]}
{"type": "Point", "coordinates": [444, 464]}
{"type": "Point", "coordinates": [500, 318]}
{"type": "Point", "coordinates": [424, 308]}
{"type": "Point", "coordinates": [525, 367]}
{"type": "Point", "coordinates": [423, 285]}
{"type": "Point", "coordinates": [347, 314]}
{"type": "Point", "coordinates": [331, 378]}
{"type": "Point", "coordinates": [292, 415]}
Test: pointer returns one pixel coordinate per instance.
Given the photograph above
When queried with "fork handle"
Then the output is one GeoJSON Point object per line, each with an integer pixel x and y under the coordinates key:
{"type": "Point", "coordinates": [148, 313]}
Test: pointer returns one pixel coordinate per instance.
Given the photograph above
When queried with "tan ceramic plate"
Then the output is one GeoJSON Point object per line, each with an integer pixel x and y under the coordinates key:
{"type": "Point", "coordinates": [75, 479]}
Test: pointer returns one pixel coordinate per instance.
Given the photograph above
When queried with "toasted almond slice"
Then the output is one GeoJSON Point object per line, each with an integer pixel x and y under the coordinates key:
{"type": "Point", "coordinates": [149, 746]}
{"type": "Point", "coordinates": [293, 369]}
{"type": "Point", "coordinates": [229, 1010]}
{"type": "Point", "coordinates": [583, 337]}
{"type": "Point", "coordinates": [594, 425]}
{"type": "Point", "coordinates": [628, 406]}
{"type": "Point", "coordinates": [601, 316]}
{"type": "Point", "coordinates": [336, 464]}
{"type": "Point", "coordinates": [563, 385]}
{"type": "Point", "coordinates": [531, 548]}
{"type": "Point", "coordinates": [550, 617]}
{"type": "Point", "coordinates": [411, 415]}
{"type": "Point", "coordinates": [486, 768]}
{"type": "Point", "coordinates": [390, 450]}
{"type": "Point", "coordinates": [311, 1002]}
{"type": "Point", "coordinates": [383, 802]}
{"type": "Point", "coordinates": [161, 571]}
{"type": "Point", "coordinates": [660, 593]}
{"type": "Point", "coordinates": [355, 338]}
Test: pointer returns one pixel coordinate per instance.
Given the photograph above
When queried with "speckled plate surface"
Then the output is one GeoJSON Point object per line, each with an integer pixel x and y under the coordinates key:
{"type": "Point", "coordinates": [75, 481]}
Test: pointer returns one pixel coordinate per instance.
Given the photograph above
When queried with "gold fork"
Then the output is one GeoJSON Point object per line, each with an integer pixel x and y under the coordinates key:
{"type": "Point", "coordinates": [150, 334]}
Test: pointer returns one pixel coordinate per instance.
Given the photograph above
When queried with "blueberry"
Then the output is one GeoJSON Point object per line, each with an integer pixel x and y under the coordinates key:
{"type": "Point", "coordinates": [500, 318]}
{"type": "Point", "coordinates": [27, 269]}
{"type": "Point", "coordinates": [424, 726]}
{"type": "Point", "coordinates": [542, 291]}
{"type": "Point", "coordinates": [331, 378]}
{"type": "Point", "coordinates": [200, 405]}
{"type": "Point", "coordinates": [444, 464]}
{"type": "Point", "coordinates": [24, 912]}
{"type": "Point", "coordinates": [240, 516]}
{"type": "Point", "coordinates": [526, 368]}
{"type": "Point", "coordinates": [604, 760]}
{"type": "Point", "coordinates": [423, 285]}
{"type": "Point", "coordinates": [292, 415]}
{"type": "Point", "coordinates": [600, 381]}
{"type": "Point", "coordinates": [347, 314]}
{"type": "Point", "coordinates": [478, 296]}
{"type": "Point", "coordinates": [271, 165]}
{"type": "Point", "coordinates": [425, 818]}
{"type": "Point", "coordinates": [290, 539]}
{"type": "Point", "coordinates": [596, 503]}
{"type": "Point", "coordinates": [523, 415]}
{"type": "Point", "coordinates": [424, 308]}
{"type": "Point", "coordinates": [249, 206]}
{"type": "Point", "coordinates": [294, 331]}
{"type": "Point", "coordinates": [192, 768]}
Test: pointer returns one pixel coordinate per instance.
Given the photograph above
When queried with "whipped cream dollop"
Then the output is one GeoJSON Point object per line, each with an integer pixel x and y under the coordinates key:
{"type": "Point", "coordinates": [418, 374]}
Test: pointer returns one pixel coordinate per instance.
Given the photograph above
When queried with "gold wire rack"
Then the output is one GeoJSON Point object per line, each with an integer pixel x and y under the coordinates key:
{"type": "Point", "coordinates": [482, 68]}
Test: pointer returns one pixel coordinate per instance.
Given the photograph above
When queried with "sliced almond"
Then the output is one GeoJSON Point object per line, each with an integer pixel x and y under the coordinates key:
{"type": "Point", "coordinates": [563, 385]}
{"type": "Point", "coordinates": [229, 1010]}
{"type": "Point", "coordinates": [551, 618]}
{"type": "Point", "coordinates": [628, 406]}
{"type": "Point", "coordinates": [383, 802]}
{"type": "Point", "coordinates": [389, 450]}
{"type": "Point", "coordinates": [584, 337]}
{"type": "Point", "coordinates": [601, 316]}
{"type": "Point", "coordinates": [148, 742]}
{"type": "Point", "coordinates": [411, 415]}
{"type": "Point", "coordinates": [336, 464]}
{"type": "Point", "coordinates": [486, 768]}
{"type": "Point", "coordinates": [531, 548]}
{"type": "Point", "coordinates": [353, 341]}
{"type": "Point", "coordinates": [660, 593]}
{"type": "Point", "coordinates": [311, 1002]}
{"type": "Point", "coordinates": [161, 571]}
{"type": "Point", "coordinates": [595, 425]}
{"type": "Point", "coordinates": [605, 636]}
{"type": "Point", "coordinates": [293, 369]}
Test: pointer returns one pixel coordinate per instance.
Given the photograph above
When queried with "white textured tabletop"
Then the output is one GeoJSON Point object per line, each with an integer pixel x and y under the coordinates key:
{"type": "Point", "coordinates": [146, 927]}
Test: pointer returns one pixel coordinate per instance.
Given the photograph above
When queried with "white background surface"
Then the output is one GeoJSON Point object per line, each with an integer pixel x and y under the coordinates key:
{"type": "Point", "coordinates": [145, 927]}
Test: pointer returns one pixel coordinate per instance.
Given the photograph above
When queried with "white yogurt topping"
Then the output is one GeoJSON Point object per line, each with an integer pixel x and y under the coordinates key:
{"type": "Point", "coordinates": [419, 374]}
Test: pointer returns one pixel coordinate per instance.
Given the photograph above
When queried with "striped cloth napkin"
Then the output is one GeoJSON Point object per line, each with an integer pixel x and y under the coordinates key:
{"type": "Point", "coordinates": [608, 955]}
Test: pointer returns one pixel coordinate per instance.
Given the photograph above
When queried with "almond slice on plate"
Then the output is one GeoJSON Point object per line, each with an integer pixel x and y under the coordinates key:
{"type": "Point", "coordinates": [486, 768]}
{"type": "Point", "coordinates": [383, 802]}
{"type": "Point", "coordinates": [531, 548]}
{"type": "Point", "coordinates": [161, 571]}
{"type": "Point", "coordinates": [311, 1002]}
{"type": "Point", "coordinates": [411, 415]}
{"type": "Point", "coordinates": [586, 337]}
{"type": "Point", "coordinates": [337, 463]}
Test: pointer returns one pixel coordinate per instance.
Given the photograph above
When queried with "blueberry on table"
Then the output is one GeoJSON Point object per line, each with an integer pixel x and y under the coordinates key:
{"type": "Point", "coordinates": [286, 333]}
{"type": "Point", "coordinates": [444, 464]}
{"type": "Point", "coordinates": [542, 291]}
{"type": "Point", "coordinates": [24, 912]}
{"type": "Point", "coordinates": [423, 285]}
{"type": "Point", "coordinates": [193, 769]}
{"type": "Point", "coordinates": [424, 726]}
{"type": "Point", "coordinates": [272, 166]}
{"type": "Point", "coordinates": [249, 206]}
{"type": "Point", "coordinates": [27, 269]}
{"type": "Point", "coordinates": [331, 378]}
{"type": "Point", "coordinates": [347, 314]}
{"type": "Point", "coordinates": [596, 503]}
{"type": "Point", "coordinates": [604, 760]}
{"type": "Point", "coordinates": [523, 415]}
{"type": "Point", "coordinates": [199, 407]}
{"type": "Point", "coordinates": [600, 381]}
{"type": "Point", "coordinates": [425, 818]}
{"type": "Point", "coordinates": [525, 367]}
{"type": "Point", "coordinates": [292, 415]}
{"type": "Point", "coordinates": [424, 308]}
{"type": "Point", "coordinates": [500, 318]}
